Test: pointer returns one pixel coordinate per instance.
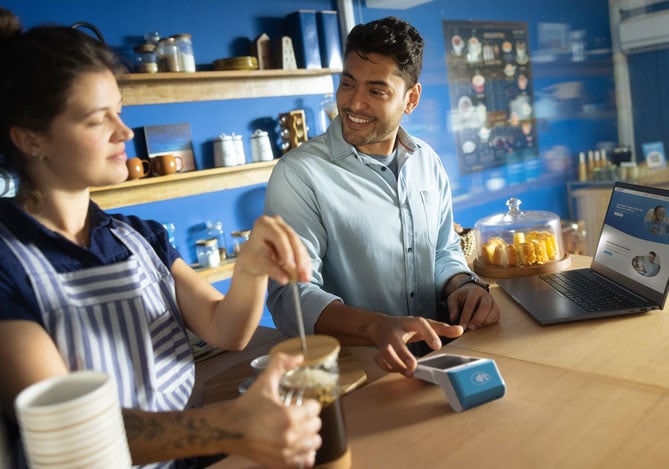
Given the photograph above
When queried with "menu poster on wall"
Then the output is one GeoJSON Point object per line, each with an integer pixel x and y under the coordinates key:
{"type": "Point", "coordinates": [490, 82]}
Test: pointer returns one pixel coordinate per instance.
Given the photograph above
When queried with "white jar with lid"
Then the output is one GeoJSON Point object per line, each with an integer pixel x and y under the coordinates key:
{"type": "Point", "coordinates": [207, 253]}
{"type": "Point", "coordinates": [224, 151]}
{"type": "Point", "coordinates": [261, 149]}
{"type": "Point", "coordinates": [185, 51]}
{"type": "Point", "coordinates": [238, 143]}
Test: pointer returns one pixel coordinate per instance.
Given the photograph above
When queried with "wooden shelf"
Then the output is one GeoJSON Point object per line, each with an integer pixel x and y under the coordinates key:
{"type": "Point", "coordinates": [157, 88]}
{"type": "Point", "coordinates": [203, 181]}
{"type": "Point", "coordinates": [216, 274]}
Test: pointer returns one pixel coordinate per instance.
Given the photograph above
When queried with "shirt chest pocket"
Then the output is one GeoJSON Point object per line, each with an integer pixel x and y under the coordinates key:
{"type": "Point", "coordinates": [427, 217]}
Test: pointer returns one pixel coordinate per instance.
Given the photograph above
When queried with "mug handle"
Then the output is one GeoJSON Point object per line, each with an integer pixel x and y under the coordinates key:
{"type": "Point", "coordinates": [146, 168]}
{"type": "Point", "coordinates": [179, 162]}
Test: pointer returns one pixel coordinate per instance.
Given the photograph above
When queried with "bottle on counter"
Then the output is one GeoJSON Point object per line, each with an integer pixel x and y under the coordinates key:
{"type": "Point", "coordinates": [185, 52]}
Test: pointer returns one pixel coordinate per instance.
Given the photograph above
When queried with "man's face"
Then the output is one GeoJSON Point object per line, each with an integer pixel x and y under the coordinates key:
{"type": "Point", "coordinates": [371, 100]}
{"type": "Point", "coordinates": [660, 212]}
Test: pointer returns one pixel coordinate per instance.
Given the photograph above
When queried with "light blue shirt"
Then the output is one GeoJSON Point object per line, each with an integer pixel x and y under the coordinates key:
{"type": "Point", "coordinates": [650, 269]}
{"type": "Point", "coordinates": [376, 241]}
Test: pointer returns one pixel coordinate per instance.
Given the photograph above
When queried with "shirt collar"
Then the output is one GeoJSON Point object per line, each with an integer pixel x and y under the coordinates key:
{"type": "Point", "coordinates": [27, 228]}
{"type": "Point", "coordinates": [340, 148]}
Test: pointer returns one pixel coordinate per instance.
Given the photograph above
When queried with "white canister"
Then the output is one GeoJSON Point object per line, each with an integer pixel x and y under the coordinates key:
{"type": "Point", "coordinates": [224, 151]}
{"type": "Point", "coordinates": [261, 149]}
{"type": "Point", "coordinates": [239, 148]}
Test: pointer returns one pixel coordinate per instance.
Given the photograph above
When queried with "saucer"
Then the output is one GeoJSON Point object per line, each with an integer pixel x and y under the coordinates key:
{"type": "Point", "coordinates": [246, 384]}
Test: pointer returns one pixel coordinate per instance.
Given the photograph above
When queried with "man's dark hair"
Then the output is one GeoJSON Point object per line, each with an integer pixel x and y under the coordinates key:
{"type": "Point", "coordinates": [393, 38]}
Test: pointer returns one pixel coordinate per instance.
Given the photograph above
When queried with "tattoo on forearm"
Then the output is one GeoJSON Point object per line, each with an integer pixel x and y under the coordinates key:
{"type": "Point", "coordinates": [185, 432]}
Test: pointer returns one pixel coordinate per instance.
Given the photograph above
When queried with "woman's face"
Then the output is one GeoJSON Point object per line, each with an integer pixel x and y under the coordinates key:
{"type": "Point", "coordinates": [85, 144]}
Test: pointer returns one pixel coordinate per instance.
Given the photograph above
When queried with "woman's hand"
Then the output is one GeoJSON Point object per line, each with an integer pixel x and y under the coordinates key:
{"type": "Point", "coordinates": [274, 434]}
{"type": "Point", "coordinates": [275, 249]}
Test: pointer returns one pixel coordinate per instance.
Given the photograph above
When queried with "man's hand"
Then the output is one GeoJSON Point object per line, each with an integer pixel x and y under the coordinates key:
{"type": "Point", "coordinates": [391, 334]}
{"type": "Point", "coordinates": [473, 305]}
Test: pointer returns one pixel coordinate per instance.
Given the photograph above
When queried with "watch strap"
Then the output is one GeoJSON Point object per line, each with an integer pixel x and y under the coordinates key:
{"type": "Point", "coordinates": [475, 279]}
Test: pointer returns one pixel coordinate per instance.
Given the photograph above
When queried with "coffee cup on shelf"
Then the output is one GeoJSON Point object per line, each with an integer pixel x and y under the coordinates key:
{"type": "Point", "coordinates": [167, 164]}
{"type": "Point", "coordinates": [137, 168]}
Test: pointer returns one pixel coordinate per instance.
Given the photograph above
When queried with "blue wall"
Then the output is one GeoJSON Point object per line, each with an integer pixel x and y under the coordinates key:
{"type": "Point", "coordinates": [566, 125]}
{"type": "Point", "coordinates": [224, 28]}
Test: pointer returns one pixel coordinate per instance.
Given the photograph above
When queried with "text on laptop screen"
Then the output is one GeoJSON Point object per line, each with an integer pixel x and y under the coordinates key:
{"type": "Point", "coordinates": [635, 237]}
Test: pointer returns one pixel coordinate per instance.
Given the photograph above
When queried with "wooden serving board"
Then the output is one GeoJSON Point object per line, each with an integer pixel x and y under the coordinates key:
{"type": "Point", "coordinates": [486, 270]}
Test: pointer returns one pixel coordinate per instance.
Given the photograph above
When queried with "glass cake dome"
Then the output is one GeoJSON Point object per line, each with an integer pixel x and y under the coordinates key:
{"type": "Point", "coordinates": [518, 243]}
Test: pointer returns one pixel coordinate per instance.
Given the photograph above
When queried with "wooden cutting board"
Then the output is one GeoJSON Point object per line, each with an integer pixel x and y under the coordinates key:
{"type": "Point", "coordinates": [226, 385]}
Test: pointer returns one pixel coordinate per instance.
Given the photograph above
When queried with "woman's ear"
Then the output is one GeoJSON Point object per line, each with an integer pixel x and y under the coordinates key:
{"type": "Point", "coordinates": [27, 141]}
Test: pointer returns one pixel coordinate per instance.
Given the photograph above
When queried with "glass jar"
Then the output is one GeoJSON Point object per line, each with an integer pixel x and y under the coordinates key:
{"type": "Point", "coordinates": [517, 241]}
{"type": "Point", "coordinates": [168, 55]}
{"type": "Point", "coordinates": [152, 37]}
{"type": "Point", "coordinates": [318, 378]}
{"type": "Point", "coordinates": [239, 238]}
{"type": "Point", "coordinates": [207, 253]}
{"type": "Point", "coordinates": [215, 230]}
{"type": "Point", "coordinates": [185, 48]}
{"type": "Point", "coordinates": [145, 58]}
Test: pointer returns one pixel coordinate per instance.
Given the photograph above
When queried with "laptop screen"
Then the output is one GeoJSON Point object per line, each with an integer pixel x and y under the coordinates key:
{"type": "Point", "coordinates": [633, 247]}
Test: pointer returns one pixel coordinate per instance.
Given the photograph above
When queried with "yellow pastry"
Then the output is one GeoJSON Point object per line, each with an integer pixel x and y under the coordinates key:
{"type": "Point", "coordinates": [512, 255]}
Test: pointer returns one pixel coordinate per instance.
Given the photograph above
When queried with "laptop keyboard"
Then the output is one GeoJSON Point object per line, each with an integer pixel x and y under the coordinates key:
{"type": "Point", "coordinates": [588, 291]}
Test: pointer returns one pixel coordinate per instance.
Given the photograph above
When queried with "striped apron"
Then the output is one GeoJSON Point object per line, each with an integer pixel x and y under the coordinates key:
{"type": "Point", "coordinates": [120, 318]}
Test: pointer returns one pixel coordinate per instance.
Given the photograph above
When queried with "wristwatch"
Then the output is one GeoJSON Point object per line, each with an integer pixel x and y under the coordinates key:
{"type": "Point", "coordinates": [475, 279]}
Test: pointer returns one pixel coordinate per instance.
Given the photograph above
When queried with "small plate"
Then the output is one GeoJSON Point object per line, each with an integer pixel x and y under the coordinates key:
{"type": "Point", "coordinates": [246, 384]}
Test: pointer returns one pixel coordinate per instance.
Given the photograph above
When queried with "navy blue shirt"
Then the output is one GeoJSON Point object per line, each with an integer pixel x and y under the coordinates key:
{"type": "Point", "coordinates": [16, 294]}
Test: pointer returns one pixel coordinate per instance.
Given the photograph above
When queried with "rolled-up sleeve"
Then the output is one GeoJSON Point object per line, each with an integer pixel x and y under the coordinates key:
{"type": "Point", "coordinates": [290, 196]}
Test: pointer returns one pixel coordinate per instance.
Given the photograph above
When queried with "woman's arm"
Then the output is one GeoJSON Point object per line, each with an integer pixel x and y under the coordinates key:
{"type": "Point", "coordinates": [28, 355]}
{"type": "Point", "coordinates": [256, 425]}
{"type": "Point", "coordinates": [228, 322]}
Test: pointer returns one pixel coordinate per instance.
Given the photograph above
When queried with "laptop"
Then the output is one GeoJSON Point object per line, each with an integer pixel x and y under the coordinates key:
{"type": "Point", "coordinates": [631, 265]}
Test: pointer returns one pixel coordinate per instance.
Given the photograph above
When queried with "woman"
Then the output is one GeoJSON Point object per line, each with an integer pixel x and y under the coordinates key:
{"type": "Point", "coordinates": [85, 290]}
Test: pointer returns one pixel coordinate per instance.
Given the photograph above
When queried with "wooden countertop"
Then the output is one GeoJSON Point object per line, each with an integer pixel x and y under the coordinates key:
{"type": "Point", "coordinates": [592, 394]}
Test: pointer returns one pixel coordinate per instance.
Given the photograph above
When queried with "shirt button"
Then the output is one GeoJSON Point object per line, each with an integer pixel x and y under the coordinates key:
{"type": "Point", "coordinates": [383, 168]}
{"type": "Point", "coordinates": [410, 250]}
{"type": "Point", "coordinates": [412, 294]}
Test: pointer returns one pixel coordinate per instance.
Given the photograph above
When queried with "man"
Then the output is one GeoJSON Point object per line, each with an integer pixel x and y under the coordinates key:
{"type": "Point", "coordinates": [657, 225]}
{"type": "Point", "coordinates": [373, 206]}
{"type": "Point", "coordinates": [648, 266]}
